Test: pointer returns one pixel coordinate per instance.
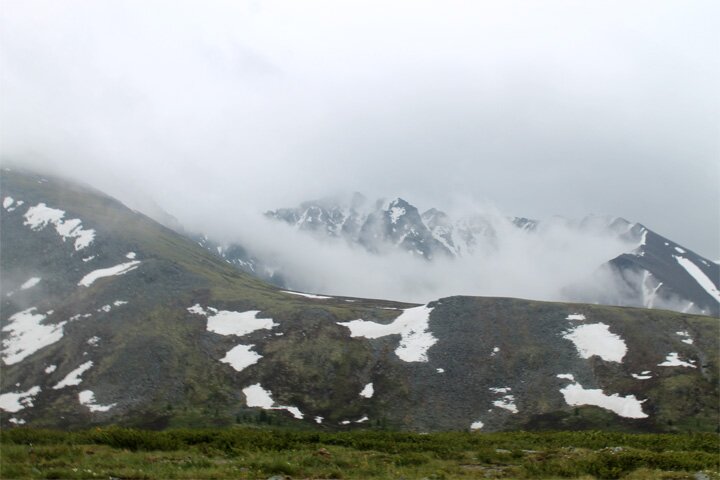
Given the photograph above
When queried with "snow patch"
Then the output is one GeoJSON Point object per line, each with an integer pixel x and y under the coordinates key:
{"type": "Point", "coordinates": [319, 419]}
{"type": "Point", "coordinates": [440, 370]}
{"type": "Point", "coordinates": [673, 360]}
{"type": "Point", "coordinates": [87, 398]}
{"type": "Point", "coordinates": [15, 401]}
{"type": "Point", "coordinates": [396, 213]}
{"type": "Point", "coordinates": [93, 341]}
{"type": "Point", "coordinates": [73, 378]}
{"type": "Point", "coordinates": [699, 277]}
{"type": "Point", "coordinates": [596, 339]}
{"type": "Point", "coordinates": [477, 425]}
{"type": "Point", "coordinates": [39, 216]}
{"type": "Point", "coordinates": [226, 322]}
{"type": "Point", "coordinates": [507, 402]}
{"type": "Point", "coordinates": [495, 351]}
{"type": "Point", "coordinates": [412, 325]}
{"type": "Point", "coordinates": [257, 396]}
{"type": "Point", "coordinates": [363, 419]}
{"type": "Point", "coordinates": [687, 339]}
{"type": "Point", "coordinates": [30, 283]}
{"type": "Point", "coordinates": [120, 269]}
{"type": "Point", "coordinates": [680, 250]}
{"type": "Point", "coordinates": [307, 295]}
{"type": "Point", "coordinates": [17, 421]}
{"type": "Point", "coordinates": [130, 255]}
{"type": "Point", "coordinates": [628, 407]}
{"type": "Point", "coordinates": [241, 356]}
{"type": "Point", "coordinates": [641, 376]}
{"type": "Point", "coordinates": [566, 376]}
{"type": "Point", "coordinates": [575, 316]}
{"type": "Point", "coordinates": [368, 391]}
{"type": "Point", "coordinates": [27, 335]}
{"type": "Point", "coordinates": [50, 368]}
{"type": "Point", "coordinates": [87, 259]}
{"type": "Point", "coordinates": [7, 202]}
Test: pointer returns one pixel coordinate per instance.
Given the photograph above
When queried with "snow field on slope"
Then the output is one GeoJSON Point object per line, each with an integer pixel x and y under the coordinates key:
{"type": "Point", "coordinates": [576, 395]}
{"type": "Point", "coordinates": [699, 276]}
{"type": "Point", "coordinates": [73, 378]}
{"type": "Point", "coordinates": [241, 356]}
{"type": "Point", "coordinates": [39, 216]}
{"type": "Point", "coordinates": [120, 269]}
{"type": "Point", "coordinates": [87, 398]}
{"type": "Point", "coordinates": [226, 322]}
{"type": "Point", "coordinates": [15, 401]}
{"type": "Point", "coordinates": [596, 339]}
{"type": "Point", "coordinates": [27, 335]}
{"type": "Point", "coordinates": [673, 360]}
{"type": "Point", "coordinates": [257, 396]}
{"type": "Point", "coordinates": [306, 295]}
{"type": "Point", "coordinates": [412, 325]}
{"type": "Point", "coordinates": [368, 391]}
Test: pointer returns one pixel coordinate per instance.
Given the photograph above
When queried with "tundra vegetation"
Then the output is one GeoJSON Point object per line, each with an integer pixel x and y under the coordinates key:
{"type": "Point", "coordinates": [245, 453]}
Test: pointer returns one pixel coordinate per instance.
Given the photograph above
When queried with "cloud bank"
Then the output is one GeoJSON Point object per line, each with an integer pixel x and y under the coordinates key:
{"type": "Point", "coordinates": [544, 108]}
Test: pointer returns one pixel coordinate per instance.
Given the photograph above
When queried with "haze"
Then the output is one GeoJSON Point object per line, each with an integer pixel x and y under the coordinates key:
{"type": "Point", "coordinates": [216, 111]}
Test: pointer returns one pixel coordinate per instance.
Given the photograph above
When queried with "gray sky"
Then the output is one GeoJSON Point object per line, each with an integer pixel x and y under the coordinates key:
{"type": "Point", "coordinates": [539, 108]}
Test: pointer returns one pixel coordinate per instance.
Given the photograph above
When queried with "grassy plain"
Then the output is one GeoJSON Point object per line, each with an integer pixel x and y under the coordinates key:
{"type": "Point", "coordinates": [247, 453]}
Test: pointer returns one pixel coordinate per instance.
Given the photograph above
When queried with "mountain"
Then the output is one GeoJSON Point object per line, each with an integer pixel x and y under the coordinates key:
{"type": "Point", "coordinates": [110, 318]}
{"type": "Point", "coordinates": [654, 272]}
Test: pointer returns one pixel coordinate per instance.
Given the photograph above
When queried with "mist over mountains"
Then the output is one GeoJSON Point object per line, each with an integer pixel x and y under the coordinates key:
{"type": "Point", "coordinates": [389, 249]}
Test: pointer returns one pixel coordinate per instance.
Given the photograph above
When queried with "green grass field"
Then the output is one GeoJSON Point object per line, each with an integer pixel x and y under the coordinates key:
{"type": "Point", "coordinates": [119, 453]}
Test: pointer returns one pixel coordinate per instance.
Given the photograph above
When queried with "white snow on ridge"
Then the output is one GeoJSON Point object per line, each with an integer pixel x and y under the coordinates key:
{"type": "Point", "coordinates": [39, 216]}
{"type": "Point", "coordinates": [28, 335]}
{"type": "Point", "coordinates": [628, 407]}
{"type": "Point", "coordinates": [87, 398]}
{"type": "Point", "coordinates": [596, 339]}
{"type": "Point", "coordinates": [30, 283]}
{"type": "Point", "coordinates": [699, 277]}
{"type": "Point", "coordinates": [575, 316]}
{"type": "Point", "coordinates": [680, 250]}
{"type": "Point", "coordinates": [396, 213]}
{"type": "Point", "coordinates": [15, 401]}
{"type": "Point", "coordinates": [673, 360]}
{"type": "Point", "coordinates": [120, 269]}
{"type": "Point", "coordinates": [307, 295]}
{"type": "Point", "coordinates": [412, 325]}
{"type": "Point", "coordinates": [73, 378]}
{"type": "Point", "coordinates": [368, 391]}
{"type": "Point", "coordinates": [257, 396]}
{"type": "Point", "coordinates": [240, 357]}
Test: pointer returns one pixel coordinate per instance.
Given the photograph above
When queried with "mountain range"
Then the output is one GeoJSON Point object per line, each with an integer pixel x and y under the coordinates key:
{"type": "Point", "coordinates": [108, 317]}
{"type": "Point", "coordinates": [653, 271]}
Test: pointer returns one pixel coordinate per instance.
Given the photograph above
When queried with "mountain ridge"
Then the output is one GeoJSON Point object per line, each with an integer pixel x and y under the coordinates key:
{"type": "Point", "coordinates": [182, 338]}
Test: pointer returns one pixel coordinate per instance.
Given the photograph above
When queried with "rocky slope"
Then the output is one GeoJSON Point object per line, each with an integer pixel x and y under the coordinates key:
{"type": "Point", "coordinates": [109, 317]}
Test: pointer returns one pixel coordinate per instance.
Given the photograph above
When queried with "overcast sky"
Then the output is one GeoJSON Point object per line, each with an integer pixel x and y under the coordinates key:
{"type": "Point", "coordinates": [539, 108]}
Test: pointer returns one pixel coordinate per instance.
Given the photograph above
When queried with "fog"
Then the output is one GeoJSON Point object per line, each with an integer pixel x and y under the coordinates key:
{"type": "Point", "coordinates": [218, 111]}
{"type": "Point", "coordinates": [538, 265]}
